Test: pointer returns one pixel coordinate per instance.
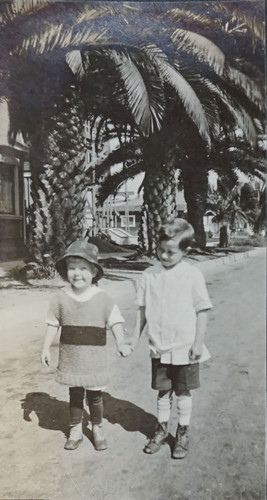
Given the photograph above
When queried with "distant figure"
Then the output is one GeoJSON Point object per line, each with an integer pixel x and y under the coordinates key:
{"type": "Point", "coordinates": [173, 302]}
{"type": "Point", "coordinates": [83, 311]}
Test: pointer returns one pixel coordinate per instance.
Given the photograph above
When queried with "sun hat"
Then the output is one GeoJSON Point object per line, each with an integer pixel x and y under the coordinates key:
{"type": "Point", "coordinates": [84, 250]}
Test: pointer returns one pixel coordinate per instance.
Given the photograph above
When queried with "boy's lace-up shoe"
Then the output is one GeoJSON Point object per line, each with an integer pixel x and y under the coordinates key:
{"type": "Point", "coordinates": [75, 437]}
{"type": "Point", "coordinates": [158, 439]}
{"type": "Point", "coordinates": [181, 446]}
{"type": "Point", "coordinates": [100, 442]}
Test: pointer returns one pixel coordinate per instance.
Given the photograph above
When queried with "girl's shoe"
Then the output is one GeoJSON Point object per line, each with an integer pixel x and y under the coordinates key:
{"type": "Point", "coordinates": [99, 440]}
{"type": "Point", "coordinates": [181, 446]}
{"type": "Point", "coordinates": [75, 437]}
{"type": "Point", "coordinates": [158, 439]}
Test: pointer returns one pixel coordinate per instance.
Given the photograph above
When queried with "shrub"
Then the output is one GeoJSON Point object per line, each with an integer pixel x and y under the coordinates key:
{"type": "Point", "coordinates": [256, 240]}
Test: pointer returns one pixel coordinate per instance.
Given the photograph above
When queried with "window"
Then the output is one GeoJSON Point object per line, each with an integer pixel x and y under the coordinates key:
{"type": "Point", "coordinates": [131, 221]}
{"type": "Point", "coordinates": [7, 189]}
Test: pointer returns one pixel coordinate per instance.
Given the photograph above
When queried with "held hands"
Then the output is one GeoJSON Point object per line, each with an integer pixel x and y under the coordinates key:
{"type": "Point", "coordinates": [46, 358]}
{"type": "Point", "coordinates": [125, 350]}
{"type": "Point", "coordinates": [195, 352]}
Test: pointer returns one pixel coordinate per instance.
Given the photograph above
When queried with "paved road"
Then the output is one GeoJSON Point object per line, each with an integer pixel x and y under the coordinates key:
{"type": "Point", "coordinates": [226, 459]}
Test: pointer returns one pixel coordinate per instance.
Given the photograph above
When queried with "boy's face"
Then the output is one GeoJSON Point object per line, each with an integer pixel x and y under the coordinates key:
{"type": "Point", "coordinates": [80, 273]}
{"type": "Point", "coordinates": [169, 253]}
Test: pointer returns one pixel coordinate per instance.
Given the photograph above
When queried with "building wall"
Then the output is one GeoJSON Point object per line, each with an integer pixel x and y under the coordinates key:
{"type": "Point", "coordinates": [11, 193]}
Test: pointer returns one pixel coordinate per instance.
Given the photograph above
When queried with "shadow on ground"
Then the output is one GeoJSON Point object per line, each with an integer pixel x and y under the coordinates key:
{"type": "Point", "coordinates": [54, 414]}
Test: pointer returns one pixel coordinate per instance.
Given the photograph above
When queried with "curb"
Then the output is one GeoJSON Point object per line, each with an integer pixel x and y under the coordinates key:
{"type": "Point", "coordinates": [228, 259]}
{"type": "Point", "coordinates": [222, 261]}
{"type": "Point", "coordinates": [205, 265]}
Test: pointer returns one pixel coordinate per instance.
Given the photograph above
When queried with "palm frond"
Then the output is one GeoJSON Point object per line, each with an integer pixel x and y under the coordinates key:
{"type": "Point", "coordinates": [241, 117]}
{"type": "Point", "coordinates": [255, 23]}
{"type": "Point", "coordinates": [189, 99]}
{"type": "Point", "coordinates": [186, 93]}
{"type": "Point", "coordinates": [136, 90]}
{"type": "Point", "coordinates": [10, 10]}
{"type": "Point", "coordinates": [239, 16]}
{"type": "Point", "coordinates": [113, 182]}
{"type": "Point", "coordinates": [122, 154]}
{"type": "Point", "coordinates": [250, 88]}
{"type": "Point", "coordinates": [58, 36]}
{"type": "Point", "coordinates": [189, 16]}
{"type": "Point", "coordinates": [203, 48]}
{"type": "Point", "coordinates": [75, 62]}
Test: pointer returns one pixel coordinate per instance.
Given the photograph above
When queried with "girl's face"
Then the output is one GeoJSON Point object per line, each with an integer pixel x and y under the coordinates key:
{"type": "Point", "coordinates": [80, 273]}
{"type": "Point", "coordinates": [169, 253]}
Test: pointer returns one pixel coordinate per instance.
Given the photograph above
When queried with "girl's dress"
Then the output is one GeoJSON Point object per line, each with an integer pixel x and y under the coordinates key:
{"type": "Point", "coordinates": [83, 342]}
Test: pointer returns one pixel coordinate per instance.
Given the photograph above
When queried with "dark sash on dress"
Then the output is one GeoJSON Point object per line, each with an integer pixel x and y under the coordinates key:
{"type": "Point", "coordinates": [83, 335]}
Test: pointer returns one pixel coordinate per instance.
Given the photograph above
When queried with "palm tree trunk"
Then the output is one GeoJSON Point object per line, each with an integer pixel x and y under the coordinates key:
{"type": "Point", "coordinates": [159, 204]}
{"type": "Point", "coordinates": [195, 182]}
{"type": "Point", "coordinates": [58, 179]}
{"type": "Point", "coordinates": [223, 243]}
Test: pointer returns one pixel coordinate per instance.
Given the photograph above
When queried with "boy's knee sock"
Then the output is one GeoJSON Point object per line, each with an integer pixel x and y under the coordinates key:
{"type": "Point", "coordinates": [184, 406]}
{"type": "Point", "coordinates": [95, 403]}
{"type": "Point", "coordinates": [164, 405]}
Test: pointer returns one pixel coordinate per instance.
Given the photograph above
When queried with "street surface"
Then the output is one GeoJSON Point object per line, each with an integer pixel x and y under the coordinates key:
{"type": "Point", "coordinates": [226, 458]}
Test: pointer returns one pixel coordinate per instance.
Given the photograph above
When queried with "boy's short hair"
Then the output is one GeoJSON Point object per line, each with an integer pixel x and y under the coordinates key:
{"type": "Point", "coordinates": [177, 228]}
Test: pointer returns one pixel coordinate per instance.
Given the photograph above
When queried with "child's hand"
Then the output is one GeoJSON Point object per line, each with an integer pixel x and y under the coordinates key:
{"type": "Point", "coordinates": [195, 352]}
{"type": "Point", "coordinates": [46, 358]}
{"type": "Point", "coordinates": [125, 350]}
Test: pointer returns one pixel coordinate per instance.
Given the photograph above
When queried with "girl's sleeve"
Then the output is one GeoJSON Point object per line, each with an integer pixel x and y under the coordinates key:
{"type": "Point", "coordinates": [115, 316]}
{"type": "Point", "coordinates": [201, 298]}
{"type": "Point", "coordinates": [140, 291]}
{"type": "Point", "coordinates": [53, 314]}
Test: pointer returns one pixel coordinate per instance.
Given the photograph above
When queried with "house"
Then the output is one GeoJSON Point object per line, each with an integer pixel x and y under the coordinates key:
{"type": "Point", "coordinates": [12, 211]}
{"type": "Point", "coordinates": [126, 218]}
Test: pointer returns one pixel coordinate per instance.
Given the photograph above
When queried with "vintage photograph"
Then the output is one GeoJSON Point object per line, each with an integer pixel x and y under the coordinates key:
{"type": "Point", "coordinates": [132, 250]}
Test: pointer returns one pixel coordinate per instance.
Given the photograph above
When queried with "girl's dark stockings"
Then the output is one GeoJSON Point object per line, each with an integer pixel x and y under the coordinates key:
{"type": "Point", "coordinates": [94, 400]}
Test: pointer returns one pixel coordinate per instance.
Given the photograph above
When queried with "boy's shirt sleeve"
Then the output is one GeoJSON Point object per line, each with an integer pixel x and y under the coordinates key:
{"type": "Point", "coordinates": [53, 314]}
{"type": "Point", "coordinates": [201, 298]}
{"type": "Point", "coordinates": [115, 316]}
{"type": "Point", "coordinates": [140, 291]}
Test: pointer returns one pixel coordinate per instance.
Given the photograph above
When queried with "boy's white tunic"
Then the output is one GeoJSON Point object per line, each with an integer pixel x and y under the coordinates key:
{"type": "Point", "coordinates": [172, 298]}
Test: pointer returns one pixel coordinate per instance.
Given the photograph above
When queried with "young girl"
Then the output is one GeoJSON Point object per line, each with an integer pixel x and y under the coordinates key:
{"type": "Point", "coordinates": [83, 311]}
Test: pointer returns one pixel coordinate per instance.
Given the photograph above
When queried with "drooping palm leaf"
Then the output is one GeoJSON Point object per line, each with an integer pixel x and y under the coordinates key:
{"type": "Point", "coordinates": [126, 151]}
{"type": "Point", "coordinates": [136, 90]}
{"type": "Point", "coordinates": [241, 117]}
{"type": "Point", "coordinates": [250, 88]}
{"type": "Point", "coordinates": [197, 16]}
{"type": "Point", "coordinates": [203, 48]}
{"type": "Point", "coordinates": [189, 98]}
{"type": "Point", "coordinates": [112, 183]}
{"type": "Point", "coordinates": [60, 37]}
{"type": "Point", "coordinates": [11, 10]}
{"type": "Point", "coordinates": [251, 16]}
{"type": "Point", "coordinates": [75, 61]}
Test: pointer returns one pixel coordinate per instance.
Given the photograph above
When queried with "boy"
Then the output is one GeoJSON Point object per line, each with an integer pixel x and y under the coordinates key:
{"type": "Point", "coordinates": [173, 302]}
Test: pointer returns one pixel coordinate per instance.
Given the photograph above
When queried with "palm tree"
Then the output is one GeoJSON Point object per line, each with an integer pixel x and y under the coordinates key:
{"type": "Point", "coordinates": [170, 72]}
{"type": "Point", "coordinates": [228, 213]}
{"type": "Point", "coordinates": [217, 109]}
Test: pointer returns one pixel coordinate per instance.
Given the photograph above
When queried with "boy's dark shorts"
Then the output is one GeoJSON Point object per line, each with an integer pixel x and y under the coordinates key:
{"type": "Point", "coordinates": [179, 378]}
